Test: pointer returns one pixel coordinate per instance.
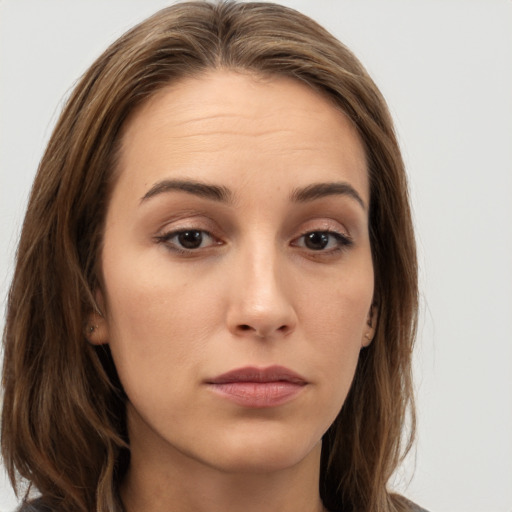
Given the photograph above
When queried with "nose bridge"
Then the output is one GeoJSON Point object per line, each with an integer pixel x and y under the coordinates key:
{"type": "Point", "coordinates": [260, 303]}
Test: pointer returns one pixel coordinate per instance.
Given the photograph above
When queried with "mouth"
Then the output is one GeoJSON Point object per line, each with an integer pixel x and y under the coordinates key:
{"type": "Point", "coordinates": [258, 387]}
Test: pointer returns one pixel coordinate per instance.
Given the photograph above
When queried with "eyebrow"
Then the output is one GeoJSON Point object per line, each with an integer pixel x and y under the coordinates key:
{"type": "Point", "coordinates": [319, 190]}
{"type": "Point", "coordinates": [197, 188]}
{"type": "Point", "coordinates": [224, 195]}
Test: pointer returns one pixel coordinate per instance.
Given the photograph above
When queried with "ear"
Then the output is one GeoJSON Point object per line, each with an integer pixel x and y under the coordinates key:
{"type": "Point", "coordinates": [96, 330]}
{"type": "Point", "coordinates": [369, 330]}
{"type": "Point", "coordinates": [96, 327]}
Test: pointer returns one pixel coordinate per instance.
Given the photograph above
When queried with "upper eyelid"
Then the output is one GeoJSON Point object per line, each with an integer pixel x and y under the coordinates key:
{"type": "Point", "coordinates": [171, 233]}
{"type": "Point", "coordinates": [201, 221]}
{"type": "Point", "coordinates": [327, 226]}
{"type": "Point", "coordinates": [193, 222]}
{"type": "Point", "coordinates": [326, 230]}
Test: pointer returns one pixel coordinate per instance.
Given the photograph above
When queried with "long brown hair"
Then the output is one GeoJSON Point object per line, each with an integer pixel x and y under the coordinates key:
{"type": "Point", "coordinates": [63, 424]}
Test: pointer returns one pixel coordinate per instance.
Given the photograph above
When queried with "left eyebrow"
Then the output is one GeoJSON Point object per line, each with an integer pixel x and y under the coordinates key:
{"type": "Point", "coordinates": [319, 190]}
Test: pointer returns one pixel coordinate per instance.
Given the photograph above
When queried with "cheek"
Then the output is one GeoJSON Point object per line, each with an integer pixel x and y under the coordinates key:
{"type": "Point", "coordinates": [335, 320]}
{"type": "Point", "coordinates": [158, 320]}
{"type": "Point", "coordinates": [338, 308]}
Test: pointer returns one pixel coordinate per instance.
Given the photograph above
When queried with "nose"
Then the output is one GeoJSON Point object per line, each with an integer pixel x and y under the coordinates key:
{"type": "Point", "coordinates": [260, 297]}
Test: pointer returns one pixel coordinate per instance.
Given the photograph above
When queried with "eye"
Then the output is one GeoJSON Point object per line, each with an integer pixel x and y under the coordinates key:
{"type": "Point", "coordinates": [187, 239]}
{"type": "Point", "coordinates": [325, 241]}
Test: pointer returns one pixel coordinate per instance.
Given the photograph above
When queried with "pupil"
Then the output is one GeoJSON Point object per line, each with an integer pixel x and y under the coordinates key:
{"type": "Point", "coordinates": [317, 240]}
{"type": "Point", "coordinates": [190, 239]}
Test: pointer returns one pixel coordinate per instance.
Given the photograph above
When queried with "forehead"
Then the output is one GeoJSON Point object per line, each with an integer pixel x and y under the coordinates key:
{"type": "Point", "coordinates": [225, 120]}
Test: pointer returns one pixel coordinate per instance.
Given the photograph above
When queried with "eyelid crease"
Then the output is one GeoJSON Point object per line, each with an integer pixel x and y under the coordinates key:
{"type": "Point", "coordinates": [197, 220]}
{"type": "Point", "coordinates": [327, 224]}
{"type": "Point", "coordinates": [184, 215]}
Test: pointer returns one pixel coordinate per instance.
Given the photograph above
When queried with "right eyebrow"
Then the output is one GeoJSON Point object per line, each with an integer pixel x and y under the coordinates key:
{"type": "Point", "coordinates": [205, 190]}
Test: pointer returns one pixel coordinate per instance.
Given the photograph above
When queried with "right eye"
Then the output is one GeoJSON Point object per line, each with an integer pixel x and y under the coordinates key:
{"type": "Point", "coordinates": [187, 240]}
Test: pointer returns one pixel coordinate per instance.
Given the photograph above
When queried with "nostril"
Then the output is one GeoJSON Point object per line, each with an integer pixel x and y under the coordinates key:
{"type": "Point", "coordinates": [263, 332]}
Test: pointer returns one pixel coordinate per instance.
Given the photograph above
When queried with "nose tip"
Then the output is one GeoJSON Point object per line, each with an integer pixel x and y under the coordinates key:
{"type": "Point", "coordinates": [260, 303]}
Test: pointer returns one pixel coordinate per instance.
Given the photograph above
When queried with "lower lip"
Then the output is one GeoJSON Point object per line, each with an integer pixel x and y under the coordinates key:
{"type": "Point", "coordinates": [258, 394]}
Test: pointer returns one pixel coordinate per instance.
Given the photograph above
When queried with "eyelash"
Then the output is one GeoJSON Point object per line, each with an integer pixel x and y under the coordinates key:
{"type": "Point", "coordinates": [343, 241]}
{"type": "Point", "coordinates": [166, 238]}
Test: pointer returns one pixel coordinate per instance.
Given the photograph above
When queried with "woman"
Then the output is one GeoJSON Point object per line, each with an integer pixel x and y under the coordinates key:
{"type": "Point", "coordinates": [214, 302]}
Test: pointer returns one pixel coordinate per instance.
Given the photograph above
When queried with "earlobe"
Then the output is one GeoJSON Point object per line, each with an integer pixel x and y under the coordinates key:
{"type": "Point", "coordinates": [96, 331]}
{"type": "Point", "coordinates": [368, 337]}
{"type": "Point", "coordinates": [371, 323]}
{"type": "Point", "coordinates": [96, 328]}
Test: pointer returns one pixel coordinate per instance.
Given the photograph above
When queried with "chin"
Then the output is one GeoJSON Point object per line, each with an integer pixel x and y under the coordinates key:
{"type": "Point", "coordinates": [261, 454]}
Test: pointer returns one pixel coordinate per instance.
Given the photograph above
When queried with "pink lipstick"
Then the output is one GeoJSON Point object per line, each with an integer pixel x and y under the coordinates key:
{"type": "Point", "coordinates": [258, 387]}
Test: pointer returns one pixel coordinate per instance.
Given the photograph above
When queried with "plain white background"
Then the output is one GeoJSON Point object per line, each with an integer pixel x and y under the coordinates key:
{"type": "Point", "coordinates": [445, 68]}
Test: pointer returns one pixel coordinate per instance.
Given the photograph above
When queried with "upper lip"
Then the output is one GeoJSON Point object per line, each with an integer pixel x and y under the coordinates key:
{"type": "Point", "coordinates": [254, 374]}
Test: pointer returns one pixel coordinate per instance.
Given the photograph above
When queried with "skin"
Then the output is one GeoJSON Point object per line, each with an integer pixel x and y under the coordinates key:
{"type": "Point", "coordinates": [253, 293]}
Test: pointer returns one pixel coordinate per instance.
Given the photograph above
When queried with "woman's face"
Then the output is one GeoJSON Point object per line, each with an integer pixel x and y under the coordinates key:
{"type": "Point", "coordinates": [237, 270]}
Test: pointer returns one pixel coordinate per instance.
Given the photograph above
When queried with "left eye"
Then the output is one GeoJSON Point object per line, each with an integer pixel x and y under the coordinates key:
{"type": "Point", "coordinates": [322, 241]}
{"type": "Point", "coordinates": [188, 239]}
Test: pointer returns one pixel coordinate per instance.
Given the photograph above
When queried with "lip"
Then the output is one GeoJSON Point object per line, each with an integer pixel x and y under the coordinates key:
{"type": "Point", "coordinates": [254, 387]}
